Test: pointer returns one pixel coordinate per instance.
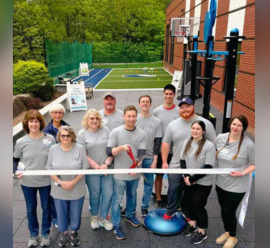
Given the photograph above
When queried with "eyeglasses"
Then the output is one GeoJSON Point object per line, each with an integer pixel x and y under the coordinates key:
{"type": "Point", "coordinates": [94, 118]}
{"type": "Point", "coordinates": [59, 113]}
{"type": "Point", "coordinates": [65, 136]}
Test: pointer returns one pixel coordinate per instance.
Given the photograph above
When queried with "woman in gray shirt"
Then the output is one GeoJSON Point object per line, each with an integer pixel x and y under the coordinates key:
{"type": "Point", "coordinates": [31, 153]}
{"type": "Point", "coordinates": [68, 191]}
{"type": "Point", "coordinates": [94, 138]}
{"type": "Point", "coordinates": [234, 150]}
{"type": "Point", "coordinates": [197, 153]}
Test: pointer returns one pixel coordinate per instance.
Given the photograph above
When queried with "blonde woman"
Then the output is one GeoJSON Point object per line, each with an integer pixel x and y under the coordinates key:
{"type": "Point", "coordinates": [94, 138]}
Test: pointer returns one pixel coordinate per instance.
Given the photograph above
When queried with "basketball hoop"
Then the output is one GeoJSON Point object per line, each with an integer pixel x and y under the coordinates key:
{"type": "Point", "coordinates": [180, 34]}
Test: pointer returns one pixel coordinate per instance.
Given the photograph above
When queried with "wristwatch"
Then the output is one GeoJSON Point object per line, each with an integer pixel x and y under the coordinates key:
{"type": "Point", "coordinates": [107, 164]}
{"type": "Point", "coordinates": [59, 183]}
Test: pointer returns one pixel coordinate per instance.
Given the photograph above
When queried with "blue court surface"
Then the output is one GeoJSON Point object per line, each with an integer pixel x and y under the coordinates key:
{"type": "Point", "coordinates": [95, 75]}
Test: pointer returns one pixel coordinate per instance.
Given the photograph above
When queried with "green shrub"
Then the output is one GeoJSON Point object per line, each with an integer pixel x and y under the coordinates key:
{"type": "Point", "coordinates": [32, 77]}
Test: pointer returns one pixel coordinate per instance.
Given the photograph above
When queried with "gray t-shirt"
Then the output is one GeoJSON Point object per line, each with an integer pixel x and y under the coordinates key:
{"type": "Point", "coordinates": [95, 143]}
{"type": "Point", "coordinates": [114, 120]}
{"type": "Point", "coordinates": [166, 116]}
{"type": "Point", "coordinates": [245, 157]}
{"type": "Point", "coordinates": [33, 153]}
{"type": "Point", "coordinates": [152, 126]}
{"type": "Point", "coordinates": [206, 156]}
{"type": "Point", "coordinates": [136, 139]}
{"type": "Point", "coordinates": [74, 159]}
{"type": "Point", "coordinates": [179, 130]}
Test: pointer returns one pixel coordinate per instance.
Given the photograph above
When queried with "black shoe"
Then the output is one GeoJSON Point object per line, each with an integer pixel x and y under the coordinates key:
{"type": "Point", "coordinates": [158, 204]}
{"type": "Point", "coordinates": [198, 238]}
{"type": "Point", "coordinates": [63, 240]}
{"type": "Point", "coordinates": [123, 212]}
{"type": "Point", "coordinates": [189, 230]}
{"type": "Point", "coordinates": [75, 241]}
{"type": "Point", "coordinates": [144, 212]}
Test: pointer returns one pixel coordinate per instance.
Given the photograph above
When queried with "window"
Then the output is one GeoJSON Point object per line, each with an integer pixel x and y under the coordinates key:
{"type": "Point", "coordinates": [172, 51]}
{"type": "Point", "coordinates": [167, 43]}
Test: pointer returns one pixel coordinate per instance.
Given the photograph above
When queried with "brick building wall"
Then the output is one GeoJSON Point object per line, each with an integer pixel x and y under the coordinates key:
{"type": "Point", "coordinates": [244, 101]}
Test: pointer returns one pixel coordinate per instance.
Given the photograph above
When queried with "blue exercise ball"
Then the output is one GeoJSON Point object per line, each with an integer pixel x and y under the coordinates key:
{"type": "Point", "coordinates": [155, 222]}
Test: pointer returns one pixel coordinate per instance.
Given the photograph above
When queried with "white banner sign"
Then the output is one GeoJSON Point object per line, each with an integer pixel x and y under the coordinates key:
{"type": "Point", "coordinates": [177, 79]}
{"type": "Point", "coordinates": [84, 71]}
{"type": "Point", "coordinates": [76, 96]}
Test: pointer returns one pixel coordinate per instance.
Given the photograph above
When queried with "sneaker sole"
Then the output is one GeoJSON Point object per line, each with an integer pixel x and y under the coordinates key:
{"type": "Point", "coordinates": [108, 229]}
{"type": "Point", "coordinates": [33, 245]}
{"type": "Point", "coordinates": [199, 241]}
{"type": "Point", "coordinates": [63, 245]}
{"type": "Point", "coordinates": [95, 228]}
{"type": "Point", "coordinates": [119, 238]}
{"type": "Point", "coordinates": [45, 245]}
{"type": "Point", "coordinates": [132, 223]}
{"type": "Point", "coordinates": [187, 235]}
{"type": "Point", "coordinates": [75, 245]}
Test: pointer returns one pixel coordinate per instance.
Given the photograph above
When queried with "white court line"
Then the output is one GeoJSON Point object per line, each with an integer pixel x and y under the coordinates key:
{"type": "Point", "coordinates": [82, 76]}
{"type": "Point", "coordinates": [126, 81]}
{"type": "Point", "coordinates": [129, 69]}
{"type": "Point", "coordinates": [168, 71]}
{"type": "Point", "coordinates": [102, 79]}
{"type": "Point", "coordinates": [129, 89]}
{"type": "Point", "coordinates": [161, 75]}
{"type": "Point", "coordinates": [93, 76]}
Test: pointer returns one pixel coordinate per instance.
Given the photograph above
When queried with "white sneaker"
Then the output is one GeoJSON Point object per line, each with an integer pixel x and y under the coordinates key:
{"type": "Point", "coordinates": [106, 224]}
{"type": "Point", "coordinates": [94, 222]}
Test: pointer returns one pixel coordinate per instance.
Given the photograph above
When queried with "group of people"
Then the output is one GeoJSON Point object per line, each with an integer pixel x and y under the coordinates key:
{"type": "Point", "coordinates": [170, 137]}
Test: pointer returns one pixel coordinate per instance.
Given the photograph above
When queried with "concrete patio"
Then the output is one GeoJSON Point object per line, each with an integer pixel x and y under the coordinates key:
{"type": "Point", "coordinates": [136, 237]}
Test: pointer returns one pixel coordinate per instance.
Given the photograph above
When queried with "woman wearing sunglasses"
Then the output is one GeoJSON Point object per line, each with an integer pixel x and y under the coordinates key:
{"type": "Point", "coordinates": [94, 138]}
{"type": "Point", "coordinates": [68, 191]}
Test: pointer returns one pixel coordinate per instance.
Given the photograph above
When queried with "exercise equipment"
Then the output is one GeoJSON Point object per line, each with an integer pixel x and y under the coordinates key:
{"type": "Point", "coordinates": [155, 223]}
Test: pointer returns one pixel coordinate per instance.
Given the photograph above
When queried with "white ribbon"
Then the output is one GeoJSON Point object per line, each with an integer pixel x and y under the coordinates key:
{"type": "Point", "coordinates": [243, 210]}
{"type": "Point", "coordinates": [125, 171]}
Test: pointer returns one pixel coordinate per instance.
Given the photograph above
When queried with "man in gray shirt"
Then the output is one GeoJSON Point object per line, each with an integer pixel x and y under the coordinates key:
{"type": "Point", "coordinates": [152, 126]}
{"type": "Point", "coordinates": [111, 116]}
{"type": "Point", "coordinates": [167, 112]}
{"type": "Point", "coordinates": [177, 132]}
{"type": "Point", "coordinates": [122, 140]}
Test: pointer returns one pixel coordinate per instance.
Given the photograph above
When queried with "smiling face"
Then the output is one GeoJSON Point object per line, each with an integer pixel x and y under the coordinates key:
{"type": "Point", "coordinates": [34, 125]}
{"type": "Point", "coordinates": [65, 137]}
{"type": "Point", "coordinates": [236, 127]}
{"type": "Point", "coordinates": [93, 122]}
{"type": "Point", "coordinates": [186, 110]}
{"type": "Point", "coordinates": [57, 115]}
{"type": "Point", "coordinates": [109, 103]}
{"type": "Point", "coordinates": [145, 103]}
{"type": "Point", "coordinates": [197, 131]}
{"type": "Point", "coordinates": [130, 118]}
{"type": "Point", "coordinates": [168, 96]}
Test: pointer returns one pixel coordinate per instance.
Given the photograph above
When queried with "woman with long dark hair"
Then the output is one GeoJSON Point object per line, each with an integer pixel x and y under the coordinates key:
{"type": "Point", "coordinates": [234, 150]}
{"type": "Point", "coordinates": [197, 153]}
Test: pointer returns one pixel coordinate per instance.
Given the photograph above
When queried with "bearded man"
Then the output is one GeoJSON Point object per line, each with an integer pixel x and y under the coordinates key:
{"type": "Point", "coordinates": [177, 132]}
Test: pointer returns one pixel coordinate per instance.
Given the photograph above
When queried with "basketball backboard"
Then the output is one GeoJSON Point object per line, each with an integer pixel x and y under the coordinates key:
{"type": "Point", "coordinates": [185, 26]}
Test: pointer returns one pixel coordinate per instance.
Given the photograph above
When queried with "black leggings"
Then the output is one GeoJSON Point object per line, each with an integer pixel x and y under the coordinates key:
{"type": "Point", "coordinates": [229, 202]}
{"type": "Point", "coordinates": [194, 202]}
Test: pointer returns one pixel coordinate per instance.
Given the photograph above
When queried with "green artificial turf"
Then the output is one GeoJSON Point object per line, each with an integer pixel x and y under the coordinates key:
{"type": "Point", "coordinates": [115, 79]}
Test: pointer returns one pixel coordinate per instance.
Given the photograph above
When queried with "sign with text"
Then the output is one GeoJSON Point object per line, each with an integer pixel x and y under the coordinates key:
{"type": "Point", "coordinates": [76, 98]}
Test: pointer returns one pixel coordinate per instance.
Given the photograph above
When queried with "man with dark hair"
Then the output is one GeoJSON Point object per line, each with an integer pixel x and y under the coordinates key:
{"type": "Point", "coordinates": [152, 126]}
{"type": "Point", "coordinates": [125, 141]}
{"type": "Point", "coordinates": [166, 113]}
{"type": "Point", "coordinates": [176, 133]}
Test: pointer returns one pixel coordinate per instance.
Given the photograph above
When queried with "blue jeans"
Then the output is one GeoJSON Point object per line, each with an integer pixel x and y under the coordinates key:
{"type": "Point", "coordinates": [54, 215]}
{"type": "Point", "coordinates": [100, 186]}
{"type": "Point", "coordinates": [69, 209]}
{"type": "Point", "coordinates": [118, 192]}
{"type": "Point", "coordinates": [30, 195]}
{"type": "Point", "coordinates": [148, 187]}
